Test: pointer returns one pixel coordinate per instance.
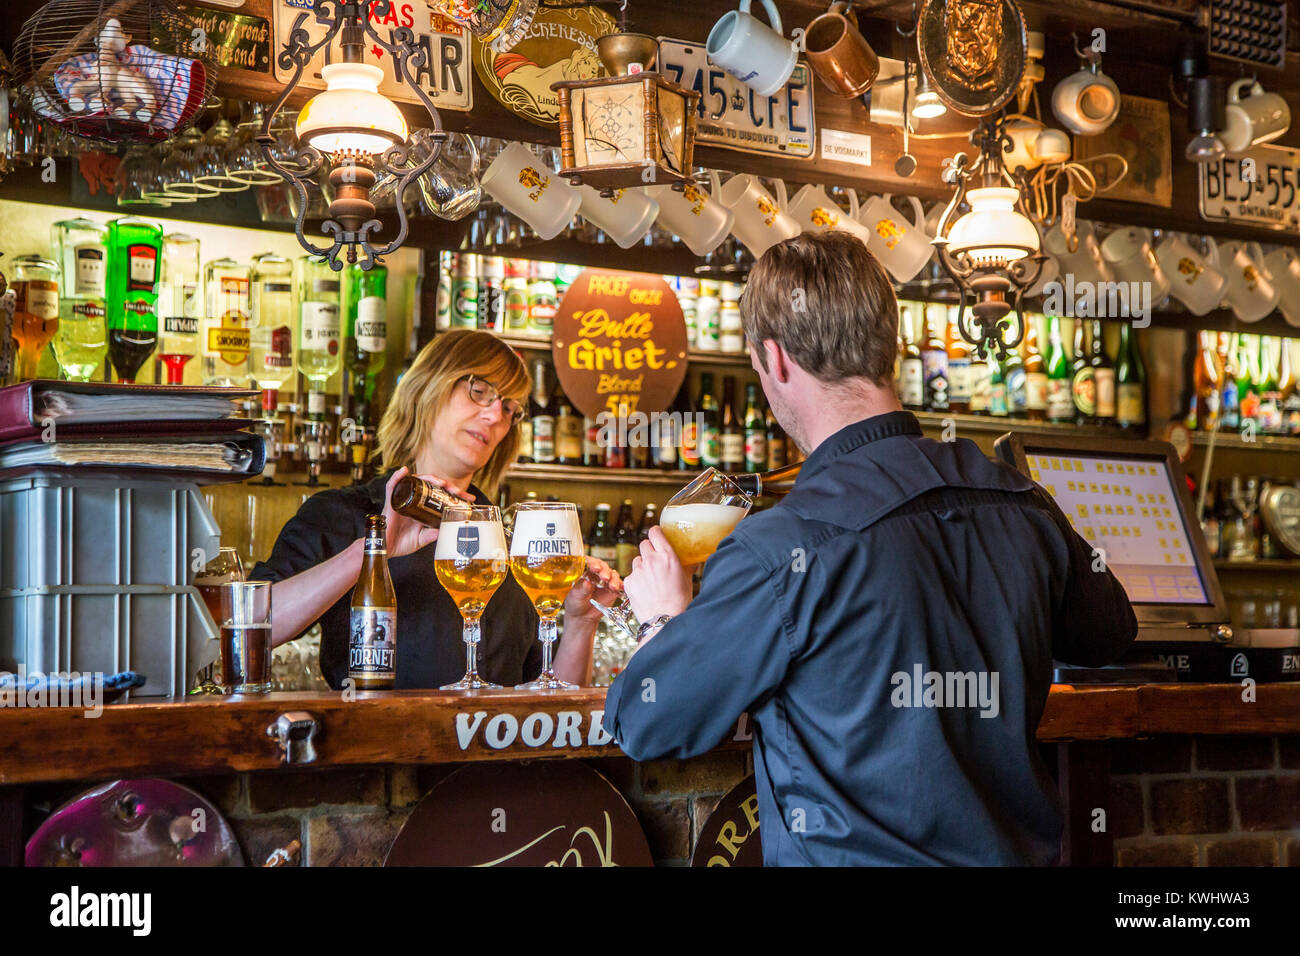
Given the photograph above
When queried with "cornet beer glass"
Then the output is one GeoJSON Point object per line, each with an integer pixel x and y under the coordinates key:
{"type": "Point", "coordinates": [546, 558]}
{"type": "Point", "coordinates": [471, 561]}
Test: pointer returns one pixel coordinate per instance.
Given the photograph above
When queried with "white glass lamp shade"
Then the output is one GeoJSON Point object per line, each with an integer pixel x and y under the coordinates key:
{"type": "Point", "coordinates": [993, 229]}
{"type": "Point", "coordinates": [351, 115]}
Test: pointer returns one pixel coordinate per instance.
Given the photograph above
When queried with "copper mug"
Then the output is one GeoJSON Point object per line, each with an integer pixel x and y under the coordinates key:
{"type": "Point", "coordinates": [838, 53]}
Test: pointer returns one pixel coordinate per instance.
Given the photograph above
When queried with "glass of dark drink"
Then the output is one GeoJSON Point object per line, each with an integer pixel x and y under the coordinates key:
{"type": "Point", "coordinates": [221, 570]}
{"type": "Point", "coordinates": [246, 637]}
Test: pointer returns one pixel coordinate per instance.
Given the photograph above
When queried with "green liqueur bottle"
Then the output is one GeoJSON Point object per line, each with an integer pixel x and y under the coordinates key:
{"type": "Point", "coordinates": [134, 255]}
{"type": "Point", "coordinates": [365, 333]}
{"type": "Point", "coordinates": [1060, 404]}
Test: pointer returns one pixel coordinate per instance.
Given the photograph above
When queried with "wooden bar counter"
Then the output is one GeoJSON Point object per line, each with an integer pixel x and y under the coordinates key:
{"type": "Point", "coordinates": [46, 750]}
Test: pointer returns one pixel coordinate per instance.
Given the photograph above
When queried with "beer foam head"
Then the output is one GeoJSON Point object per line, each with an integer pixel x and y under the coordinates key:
{"type": "Point", "coordinates": [546, 531]}
{"type": "Point", "coordinates": [484, 540]}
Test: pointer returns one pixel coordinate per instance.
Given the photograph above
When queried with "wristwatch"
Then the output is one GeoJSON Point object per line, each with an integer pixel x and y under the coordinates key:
{"type": "Point", "coordinates": [649, 627]}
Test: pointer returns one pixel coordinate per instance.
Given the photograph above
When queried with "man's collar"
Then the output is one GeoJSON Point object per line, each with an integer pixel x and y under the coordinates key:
{"type": "Point", "coordinates": [888, 425]}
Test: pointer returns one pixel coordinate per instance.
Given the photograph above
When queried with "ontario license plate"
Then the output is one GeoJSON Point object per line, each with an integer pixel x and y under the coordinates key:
{"type": "Point", "coordinates": [733, 115]}
{"type": "Point", "coordinates": [1261, 187]}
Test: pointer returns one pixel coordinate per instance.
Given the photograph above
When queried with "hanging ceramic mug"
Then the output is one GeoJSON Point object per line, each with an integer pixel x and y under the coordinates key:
{"type": "Point", "coordinates": [1194, 280]}
{"type": "Point", "coordinates": [902, 247]}
{"type": "Point", "coordinates": [526, 186]}
{"type": "Point", "coordinates": [1250, 292]}
{"type": "Point", "coordinates": [1086, 102]}
{"type": "Point", "coordinates": [837, 52]}
{"type": "Point", "coordinates": [751, 51]}
{"type": "Point", "coordinates": [1258, 118]}
{"type": "Point", "coordinates": [1128, 253]}
{"type": "Point", "coordinates": [693, 216]}
{"type": "Point", "coordinates": [761, 221]}
{"type": "Point", "coordinates": [1283, 264]}
{"type": "Point", "coordinates": [814, 211]}
{"type": "Point", "coordinates": [1084, 261]}
{"type": "Point", "coordinates": [625, 216]}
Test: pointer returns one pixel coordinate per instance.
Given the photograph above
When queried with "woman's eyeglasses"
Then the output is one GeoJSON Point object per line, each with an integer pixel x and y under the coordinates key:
{"type": "Point", "coordinates": [485, 393]}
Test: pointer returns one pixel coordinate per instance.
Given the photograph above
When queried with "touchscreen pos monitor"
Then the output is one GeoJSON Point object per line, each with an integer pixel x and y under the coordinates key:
{"type": "Point", "coordinates": [1129, 500]}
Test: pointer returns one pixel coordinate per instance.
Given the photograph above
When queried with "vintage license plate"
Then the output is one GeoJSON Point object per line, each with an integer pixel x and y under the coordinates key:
{"type": "Point", "coordinates": [733, 115]}
{"type": "Point", "coordinates": [1261, 187]}
{"type": "Point", "coordinates": [445, 75]}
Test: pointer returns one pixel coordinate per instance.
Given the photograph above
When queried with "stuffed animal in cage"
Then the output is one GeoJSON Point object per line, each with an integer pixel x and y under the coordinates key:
{"type": "Point", "coordinates": [108, 84]}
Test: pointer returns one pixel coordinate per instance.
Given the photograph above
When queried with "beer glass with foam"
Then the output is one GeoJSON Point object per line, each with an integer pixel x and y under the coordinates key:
{"type": "Point", "coordinates": [546, 558]}
{"type": "Point", "coordinates": [471, 561]}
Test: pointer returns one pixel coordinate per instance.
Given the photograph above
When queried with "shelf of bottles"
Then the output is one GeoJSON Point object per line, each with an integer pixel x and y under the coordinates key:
{"type": "Point", "coordinates": [1243, 391]}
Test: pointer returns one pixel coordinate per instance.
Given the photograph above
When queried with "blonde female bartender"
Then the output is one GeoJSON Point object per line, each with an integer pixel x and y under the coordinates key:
{"type": "Point", "coordinates": [451, 421]}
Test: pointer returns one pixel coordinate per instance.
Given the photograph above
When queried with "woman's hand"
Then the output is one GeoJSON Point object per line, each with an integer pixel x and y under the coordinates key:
{"type": "Point", "coordinates": [406, 535]}
{"type": "Point", "coordinates": [658, 583]}
{"type": "Point", "coordinates": [577, 603]}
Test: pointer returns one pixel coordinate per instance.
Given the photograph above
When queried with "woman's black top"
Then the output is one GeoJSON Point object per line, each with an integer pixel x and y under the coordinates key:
{"type": "Point", "coordinates": [430, 651]}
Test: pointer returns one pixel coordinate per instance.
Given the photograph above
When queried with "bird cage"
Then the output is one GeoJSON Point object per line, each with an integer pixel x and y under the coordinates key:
{"type": "Point", "coordinates": [116, 71]}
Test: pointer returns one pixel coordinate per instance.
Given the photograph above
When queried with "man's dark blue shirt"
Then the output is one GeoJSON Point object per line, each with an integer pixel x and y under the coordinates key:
{"type": "Point", "coordinates": [894, 556]}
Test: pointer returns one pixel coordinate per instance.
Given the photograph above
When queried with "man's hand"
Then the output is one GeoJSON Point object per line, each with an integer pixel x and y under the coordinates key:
{"type": "Point", "coordinates": [601, 582]}
{"type": "Point", "coordinates": [658, 583]}
{"type": "Point", "coordinates": [406, 535]}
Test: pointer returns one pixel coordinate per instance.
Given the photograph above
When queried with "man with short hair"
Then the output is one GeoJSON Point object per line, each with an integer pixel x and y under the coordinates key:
{"type": "Point", "coordinates": [893, 558]}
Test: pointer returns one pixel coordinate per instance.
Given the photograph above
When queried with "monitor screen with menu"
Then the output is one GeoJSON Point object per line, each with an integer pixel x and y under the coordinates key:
{"type": "Point", "coordinates": [1129, 500]}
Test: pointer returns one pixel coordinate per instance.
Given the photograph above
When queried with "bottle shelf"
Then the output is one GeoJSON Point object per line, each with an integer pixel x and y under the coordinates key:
{"type": "Point", "coordinates": [1263, 564]}
{"type": "Point", "coordinates": [537, 343]}
{"type": "Point", "coordinates": [598, 475]}
{"type": "Point", "coordinates": [987, 424]}
{"type": "Point", "coordinates": [1258, 443]}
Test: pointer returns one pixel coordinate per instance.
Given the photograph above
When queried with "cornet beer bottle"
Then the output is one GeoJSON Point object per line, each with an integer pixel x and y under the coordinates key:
{"type": "Point", "coordinates": [372, 641]}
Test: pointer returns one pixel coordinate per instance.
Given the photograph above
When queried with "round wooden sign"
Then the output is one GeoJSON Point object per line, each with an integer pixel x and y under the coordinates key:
{"type": "Point", "coordinates": [531, 813]}
{"type": "Point", "coordinates": [619, 338]}
{"type": "Point", "coordinates": [730, 836]}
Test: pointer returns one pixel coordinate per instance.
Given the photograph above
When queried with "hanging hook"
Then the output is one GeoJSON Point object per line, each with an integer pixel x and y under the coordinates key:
{"type": "Point", "coordinates": [916, 20]}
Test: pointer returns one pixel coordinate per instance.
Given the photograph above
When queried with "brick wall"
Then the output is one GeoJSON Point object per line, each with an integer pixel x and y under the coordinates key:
{"type": "Point", "coordinates": [1206, 801]}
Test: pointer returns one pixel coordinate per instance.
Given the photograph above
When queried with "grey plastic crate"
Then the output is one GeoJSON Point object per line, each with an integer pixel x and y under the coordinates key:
{"type": "Point", "coordinates": [162, 632]}
{"type": "Point", "coordinates": [57, 531]}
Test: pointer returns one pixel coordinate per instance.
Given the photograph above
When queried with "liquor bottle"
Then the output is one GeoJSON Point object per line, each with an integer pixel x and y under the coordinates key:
{"type": "Point", "coordinates": [1230, 405]}
{"type": "Point", "coordinates": [1130, 383]}
{"type": "Point", "coordinates": [134, 250]}
{"type": "Point", "coordinates": [688, 458]}
{"type": "Point", "coordinates": [648, 520]}
{"type": "Point", "coordinates": [666, 436]}
{"type": "Point", "coordinates": [592, 455]}
{"type": "Point", "coordinates": [492, 294]}
{"type": "Point", "coordinates": [1083, 382]}
{"type": "Point", "coordinates": [731, 336]}
{"type": "Point", "coordinates": [542, 300]}
{"type": "Point", "coordinates": [318, 329]}
{"type": "Point", "coordinates": [600, 540]}
{"type": "Point", "coordinates": [776, 456]}
{"type": "Point", "coordinates": [365, 333]}
{"type": "Point", "coordinates": [998, 406]}
{"type": "Point", "coordinates": [1103, 376]}
{"type": "Point", "coordinates": [464, 291]}
{"type": "Point", "coordinates": [960, 372]}
{"type": "Point", "coordinates": [711, 432]}
{"type": "Point", "coordinates": [732, 438]}
{"type": "Point", "coordinates": [180, 304]}
{"type": "Point", "coordinates": [541, 412]}
{"type": "Point", "coordinates": [442, 305]}
{"type": "Point", "coordinates": [372, 641]}
{"type": "Point", "coordinates": [707, 309]}
{"type": "Point", "coordinates": [615, 451]}
{"type": "Point", "coordinates": [981, 383]}
{"type": "Point", "coordinates": [934, 362]}
{"type": "Point", "coordinates": [1035, 372]}
{"type": "Point", "coordinates": [911, 375]}
{"type": "Point", "coordinates": [1205, 385]}
{"type": "Point", "coordinates": [224, 327]}
{"type": "Point", "coordinates": [36, 310]}
{"type": "Point", "coordinates": [515, 296]}
{"type": "Point", "coordinates": [1269, 414]}
{"type": "Point", "coordinates": [270, 338]}
{"type": "Point", "coordinates": [81, 342]}
{"type": "Point", "coordinates": [1247, 369]}
{"type": "Point", "coordinates": [755, 431]}
{"type": "Point", "coordinates": [1287, 390]}
{"type": "Point", "coordinates": [1060, 403]}
{"type": "Point", "coordinates": [637, 449]}
{"type": "Point", "coordinates": [568, 432]}
{"type": "Point", "coordinates": [773, 484]}
{"type": "Point", "coordinates": [416, 498]}
{"type": "Point", "coordinates": [688, 297]}
{"type": "Point", "coordinates": [1013, 374]}
{"type": "Point", "coordinates": [625, 540]}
